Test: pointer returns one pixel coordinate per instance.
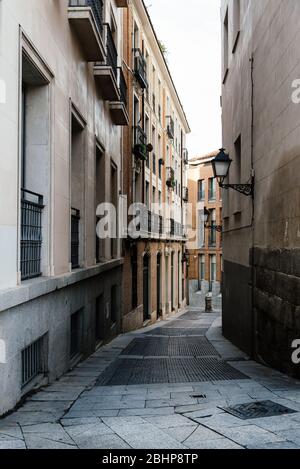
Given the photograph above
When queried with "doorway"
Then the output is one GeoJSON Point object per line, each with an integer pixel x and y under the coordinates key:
{"type": "Point", "coordinates": [172, 282]}
{"type": "Point", "coordinates": [158, 286]}
{"type": "Point", "coordinates": [146, 287]}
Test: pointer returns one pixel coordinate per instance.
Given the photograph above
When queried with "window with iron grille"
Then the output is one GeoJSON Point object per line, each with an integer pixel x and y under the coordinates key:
{"type": "Point", "coordinates": [31, 234]}
{"type": "Point", "coordinates": [33, 361]}
{"type": "Point", "coordinates": [75, 221]}
{"type": "Point", "coordinates": [201, 190]}
{"type": "Point", "coordinates": [76, 334]}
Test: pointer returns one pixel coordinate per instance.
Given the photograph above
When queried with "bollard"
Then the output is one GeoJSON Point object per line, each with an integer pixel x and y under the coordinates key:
{"type": "Point", "coordinates": [208, 304]}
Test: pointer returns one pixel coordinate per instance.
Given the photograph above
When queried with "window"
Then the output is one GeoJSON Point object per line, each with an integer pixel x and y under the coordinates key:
{"type": "Point", "coordinates": [134, 274]}
{"type": "Point", "coordinates": [76, 334]}
{"type": "Point", "coordinates": [114, 202]}
{"type": "Point", "coordinates": [147, 195]}
{"type": "Point", "coordinates": [201, 190]}
{"type": "Point", "coordinates": [99, 197]}
{"type": "Point", "coordinates": [153, 195]}
{"type": "Point", "coordinates": [212, 189]}
{"type": "Point", "coordinates": [99, 319]}
{"type": "Point", "coordinates": [213, 232]}
{"type": "Point", "coordinates": [213, 270]}
{"type": "Point", "coordinates": [201, 229]}
{"type": "Point", "coordinates": [238, 159]}
{"type": "Point", "coordinates": [154, 163]}
{"type": "Point", "coordinates": [33, 361]}
{"type": "Point", "coordinates": [201, 268]}
{"type": "Point", "coordinates": [225, 47]}
{"type": "Point", "coordinates": [236, 23]}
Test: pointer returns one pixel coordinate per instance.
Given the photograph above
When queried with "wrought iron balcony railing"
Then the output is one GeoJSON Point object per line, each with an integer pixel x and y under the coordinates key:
{"type": "Point", "coordinates": [185, 194]}
{"type": "Point", "coordinates": [75, 222]}
{"type": "Point", "coordinates": [97, 9]}
{"type": "Point", "coordinates": [123, 87]}
{"type": "Point", "coordinates": [111, 51]}
{"type": "Point", "coordinates": [170, 127]}
{"type": "Point", "coordinates": [170, 177]}
{"type": "Point", "coordinates": [140, 143]}
{"type": "Point", "coordinates": [185, 155]}
{"type": "Point", "coordinates": [31, 234]}
{"type": "Point", "coordinates": [140, 68]}
{"type": "Point", "coordinates": [172, 227]}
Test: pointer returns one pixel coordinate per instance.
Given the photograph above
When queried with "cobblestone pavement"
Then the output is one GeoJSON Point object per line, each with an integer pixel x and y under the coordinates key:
{"type": "Point", "coordinates": [162, 387]}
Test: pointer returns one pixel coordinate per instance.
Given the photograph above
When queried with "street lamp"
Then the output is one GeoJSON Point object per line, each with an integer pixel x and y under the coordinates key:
{"type": "Point", "coordinates": [221, 165]}
{"type": "Point", "coordinates": [206, 218]}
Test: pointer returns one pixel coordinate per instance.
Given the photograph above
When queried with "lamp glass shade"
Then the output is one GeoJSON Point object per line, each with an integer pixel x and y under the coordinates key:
{"type": "Point", "coordinates": [221, 165]}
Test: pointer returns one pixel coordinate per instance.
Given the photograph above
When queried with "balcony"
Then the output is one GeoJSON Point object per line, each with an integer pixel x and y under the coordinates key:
{"type": "Point", "coordinates": [170, 128]}
{"type": "Point", "coordinates": [170, 178]}
{"type": "Point", "coordinates": [75, 222]}
{"type": "Point", "coordinates": [185, 194]}
{"type": "Point", "coordinates": [31, 234]}
{"type": "Point", "coordinates": [122, 3]}
{"type": "Point", "coordinates": [118, 109]}
{"type": "Point", "coordinates": [140, 143]}
{"type": "Point", "coordinates": [185, 156]}
{"type": "Point", "coordinates": [86, 19]}
{"type": "Point", "coordinates": [172, 227]}
{"type": "Point", "coordinates": [106, 74]}
{"type": "Point", "coordinates": [140, 68]}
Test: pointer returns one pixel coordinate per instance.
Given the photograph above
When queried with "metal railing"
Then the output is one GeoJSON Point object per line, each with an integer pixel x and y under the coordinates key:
{"type": "Point", "coordinates": [31, 234]}
{"type": "Point", "coordinates": [170, 127]}
{"type": "Point", "coordinates": [111, 51]}
{"type": "Point", "coordinates": [140, 68]}
{"type": "Point", "coordinates": [97, 9]}
{"type": "Point", "coordinates": [123, 87]}
{"type": "Point", "coordinates": [170, 177]}
{"type": "Point", "coordinates": [75, 221]}
{"type": "Point", "coordinates": [32, 361]}
{"type": "Point", "coordinates": [161, 226]}
{"type": "Point", "coordinates": [140, 143]}
{"type": "Point", "coordinates": [172, 227]}
{"type": "Point", "coordinates": [185, 194]}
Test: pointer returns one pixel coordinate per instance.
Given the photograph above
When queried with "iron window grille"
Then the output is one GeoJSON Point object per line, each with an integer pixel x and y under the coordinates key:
{"type": "Point", "coordinates": [31, 234]}
{"type": "Point", "coordinates": [160, 225]}
{"type": "Point", "coordinates": [75, 222]}
{"type": "Point", "coordinates": [33, 362]}
{"type": "Point", "coordinates": [96, 7]}
{"type": "Point", "coordinates": [140, 68]}
{"type": "Point", "coordinates": [111, 51]}
{"type": "Point", "coordinates": [140, 143]}
{"type": "Point", "coordinates": [170, 127]}
{"type": "Point", "coordinates": [123, 87]}
{"type": "Point", "coordinates": [172, 227]}
{"type": "Point", "coordinates": [170, 178]}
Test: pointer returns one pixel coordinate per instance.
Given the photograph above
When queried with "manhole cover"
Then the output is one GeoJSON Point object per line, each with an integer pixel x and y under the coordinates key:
{"type": "Point", "coordinates": [176, 332]}
{"type": "Point", "coordinates": [170, 347]}
{"type": "Point", "coordinates": [126, 371]}
{"type": "Point", "coordinates": [255, 410]}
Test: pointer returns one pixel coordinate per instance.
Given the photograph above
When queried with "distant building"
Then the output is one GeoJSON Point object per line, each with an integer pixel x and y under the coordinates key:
{"type": "Point", "coordinates": [205, 253]}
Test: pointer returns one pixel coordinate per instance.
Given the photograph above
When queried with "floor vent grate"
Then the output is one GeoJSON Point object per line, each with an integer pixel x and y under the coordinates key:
{"type": "Point", "coordinates": [255, 410]}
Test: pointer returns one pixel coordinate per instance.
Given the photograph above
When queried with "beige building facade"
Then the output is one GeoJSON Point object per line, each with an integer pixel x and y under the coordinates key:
{"type": "Point", "coordinates": [61, 114]}
{"type": "Point", "coordinates": [205, 253]}
{"type": "Point", "coordinates": [260, 106]}
{"type": "Point", "coordinates": [155, 175]}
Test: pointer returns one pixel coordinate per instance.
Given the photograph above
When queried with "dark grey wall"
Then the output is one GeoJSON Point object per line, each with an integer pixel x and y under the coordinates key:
{"type": "Point", "coordinates": [237, 309]}
{"type": "Point", "coordinates": [277, 306]}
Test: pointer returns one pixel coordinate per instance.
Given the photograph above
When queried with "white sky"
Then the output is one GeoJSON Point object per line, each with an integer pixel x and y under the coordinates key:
{"type": "Point", "coordinates": [190, 30]}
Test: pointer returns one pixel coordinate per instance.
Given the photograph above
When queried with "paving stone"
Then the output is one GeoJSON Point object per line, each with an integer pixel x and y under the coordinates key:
{"type": "Point", "coordinates": [10, 430]}
{"type": "Point", "coordinates": [275, 424]}
{"type": "Point", "coordinates": [180, 433]}
{"type": "Point", "coordinates": [169, 402]}
{"type": "Point", "coordinates": [147, 411]}
{"type": "Point", "coordinates": [109, 441]}
{"type": "Point", "coordinates": [55, 396]}
{"type": "Point", "coordinates": [220, 420]}
{"type": "Point", "coordinates": [279, 445]}
{"type": "Point", "coordinates": [52, 406]}
{"type": "Point", "coordinates": [65, 422]}
{"type": "Point", "coordinates": [290, 435]}
{"type": "Point", "coordinates": [12, 444]}
{"type": "Point", "coordinates": [201, 434]}
{"type": "Point", "coordinates": [78, 433]}
{"type": "Point", "coordinates": [249, 434]}
{"type": "Point", "coordinates": [49, 431]}
{"type": "Point", "coordinates": [222, 443]}
{"type": "Point", "coordinates": [147, 436]}
{"type": "Point", "coordinates": [30, 418]}
{"type": "Point", "coordinates": [37, 442]}
{"type": "Point", "coordinates": [91, 413]}
{"type": "Point", "coordinates": [169, 421]}
{"type": "Point", "coordinates": [200, 407]}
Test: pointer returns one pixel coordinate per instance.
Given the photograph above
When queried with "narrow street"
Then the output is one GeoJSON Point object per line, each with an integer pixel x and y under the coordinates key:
{"type": "Point", "coordinates": [165, 386]}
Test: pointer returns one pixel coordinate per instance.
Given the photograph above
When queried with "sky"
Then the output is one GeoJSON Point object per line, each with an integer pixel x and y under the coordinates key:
{"type": "Point", "coordinates": [191, 32]}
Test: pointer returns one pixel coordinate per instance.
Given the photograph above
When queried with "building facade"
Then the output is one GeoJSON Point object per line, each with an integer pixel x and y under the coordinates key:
{"type": "Point", "coordinates": [155, 176]}
{"type": "Point", "coordinates": [63, 104]}
{"type": "Point", "coordinates": [260, 105]}
{"type": "Point", "coordinates": [205, 250]}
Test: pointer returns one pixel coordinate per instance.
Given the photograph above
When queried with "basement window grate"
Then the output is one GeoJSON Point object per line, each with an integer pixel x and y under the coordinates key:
{"type": "Point", "coordinates": [255, 410]}
{"type": "Point", "coordinates": [32, 361]}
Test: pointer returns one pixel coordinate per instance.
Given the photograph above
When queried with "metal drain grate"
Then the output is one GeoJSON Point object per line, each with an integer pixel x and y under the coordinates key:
{"type": "Point", "coordinates": [176, 332]}
{"type": "Point", "coordinates": [167, 370]}
{"type": "Point", "coordinates": [255, 410]}
{"type": "Point", "coordinates": [170, 347]}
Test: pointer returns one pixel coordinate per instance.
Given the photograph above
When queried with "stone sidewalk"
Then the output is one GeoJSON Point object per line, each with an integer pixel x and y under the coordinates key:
{"type": "Point", "coordinates": [77, 412]}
